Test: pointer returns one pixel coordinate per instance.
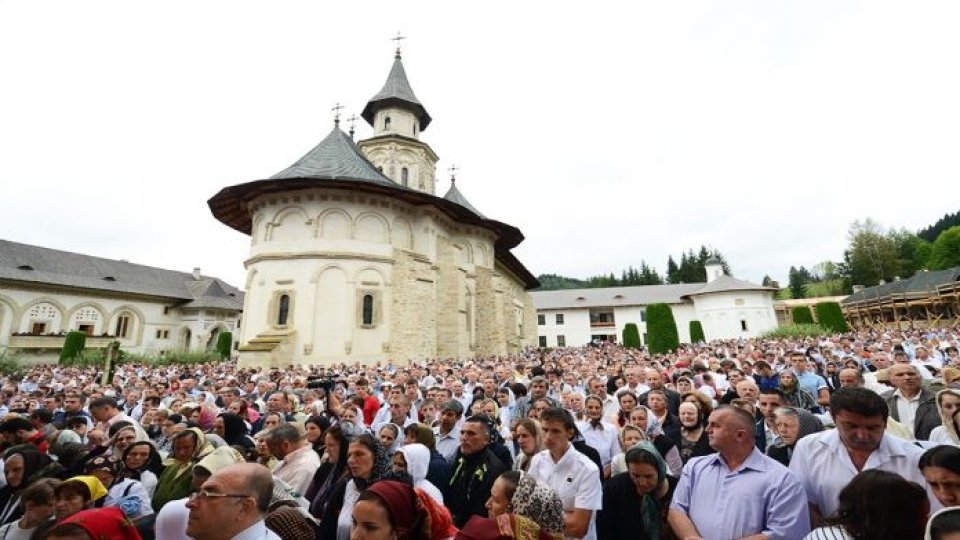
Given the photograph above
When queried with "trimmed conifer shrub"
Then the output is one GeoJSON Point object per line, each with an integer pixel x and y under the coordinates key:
{"type": "Point", "coordinates": [662, 335]}
{"type": "Point", "coordinates": [696, 332]}
{"type": "Point", "coordinates": [831, 318]}
{"type": "Point", "coordinates": [224, 344]}
{"type": "Point", "coordinates": [631, 336]}
{"type": "Point", "coordinates": [73, 345]}
{"type": "Point", "coordinates": [802, 315]}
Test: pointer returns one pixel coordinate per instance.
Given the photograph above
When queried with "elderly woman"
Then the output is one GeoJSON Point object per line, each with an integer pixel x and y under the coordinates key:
{"type": "Point", "coordinates": [175, 480]}
{"type": "Point", "coordinates": [23, 465]}
{"type": "Point", "coordinates": [519, 507]}
{"type": "Point", "coordinates": [693, 433]}
{"type": "Point", "coordinates": [644, 418]}
{"type": "Point", "coordinates": [792, 424]}
{"type": "Point", "coordinates": [635, 502]}
{"type": "Point", "coordinates": [793, 394]}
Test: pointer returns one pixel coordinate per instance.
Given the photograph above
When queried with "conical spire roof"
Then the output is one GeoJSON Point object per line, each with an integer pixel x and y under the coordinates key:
{"type": "Point", "coordinates": [453, 195]}
{"type": "Point", "coordinates": [396, 91]}
{"type": "Point", "coordinates": [336, 157]}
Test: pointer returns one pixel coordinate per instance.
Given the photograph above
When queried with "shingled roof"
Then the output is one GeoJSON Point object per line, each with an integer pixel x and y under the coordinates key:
{"type": "Point", "coordinates": [453, 195]}
{"type": "Point", "coordinates": [396, 91]}
{"type": "Point", "coordinates": [920, 285]}
{"type": "Point", "coordinates": [336, 157]}
{"type": "Point", "coordinates": [729, 283]}
{"type": "Point", "coordinates": [43, 266]}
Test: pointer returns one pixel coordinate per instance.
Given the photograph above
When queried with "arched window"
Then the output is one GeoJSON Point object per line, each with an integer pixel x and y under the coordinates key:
{"type": "Point", "coordinates": [123, 326]}
{"type": "Point", "coordinates": [404, 176]}
{"type": "Point", "coordinates": [414, 127]}
{"type": "Point", "coordinates": [368, 309]}
{"type": "Point", "coordinates": [283, 310]}
{"type": "Point", "coordinates": [386, 123]}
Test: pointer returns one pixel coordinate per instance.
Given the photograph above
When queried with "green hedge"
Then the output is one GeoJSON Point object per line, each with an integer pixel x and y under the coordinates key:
{"type": "Point", "coordinates": [631, 336]}
{"type": "Point", "coordinates": [696, 332]}
{"type": "Point", "coordinates": [831, 317]}
{"type": "Point", "coordinates": [802, 315]}
{"type": "Point", "coordinates": [224, 344]}
{"type": "Point", "coordinates": [792, 331]}
{"type": "Point", "coordinates": [73, 345]}
{"type": "Point", "coordinates": [662, 335]}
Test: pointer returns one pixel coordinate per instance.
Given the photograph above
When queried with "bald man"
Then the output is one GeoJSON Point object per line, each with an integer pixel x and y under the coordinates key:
{"type": "Point", "coordinates": [232, 504]}
{"type": "Point", "coordinates": [707, 501]}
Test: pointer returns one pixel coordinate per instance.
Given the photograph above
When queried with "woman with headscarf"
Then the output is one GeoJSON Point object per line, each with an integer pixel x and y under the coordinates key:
{"type": "Point", "coordinates": [519, 507]}
{"type": "Point", "coordinates": [95, 524]}
{"type": "Point", "coordinates": [529, 437]}
{"type": "Point", "coordinates": [397, 510]}
{"type": "Point", "coordinates": [792, 425]}
{"type": "Point", "coordinates": [391, 437]}
{"type": "Point", "coordinates": [22, 465]}
{"type": "Point", "coordinates": [333, 466]}
{"type": "Point", "coordinates": [367, 462]}
{"type": "Point", "coordinates": [175, 481]}
{"type": "Point", "coordinates": [694, 441]}
{"type": "Point", "coordinates": [439, 469]}
{"type": "Point", "coordinates": [643, 417]}
{"type": "Point", "coordinates": [233, 430]}
{"type": "Point", "coordinates": [793, 395]}
{"type": "Point", "coordinates": [142, 462]}
{"type": "Point", "coordinates": [126, 493]}
{"type": "Point", "coordinates": [635, 502]}
{"type": "Point", "coordinates": [415, 459]}
{"type": "Point", "coordinates": [944, 524]}
{"type": "Point", "coordinates": [948, 403]}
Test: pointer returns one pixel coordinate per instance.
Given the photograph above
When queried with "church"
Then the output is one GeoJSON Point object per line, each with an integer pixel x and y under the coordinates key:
{"type": "Point", "coordinates": [354, 257]}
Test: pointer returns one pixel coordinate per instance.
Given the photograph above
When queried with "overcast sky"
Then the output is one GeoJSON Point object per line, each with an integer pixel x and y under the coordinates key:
{"type": "Point", "coordinates": [608, 132]}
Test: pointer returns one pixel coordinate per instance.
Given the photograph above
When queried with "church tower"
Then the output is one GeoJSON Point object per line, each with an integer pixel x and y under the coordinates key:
{"type": "Point", "coordinates": [397, 118]}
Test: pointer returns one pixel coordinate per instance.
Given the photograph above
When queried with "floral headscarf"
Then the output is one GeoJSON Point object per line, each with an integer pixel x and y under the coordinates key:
{"type": "Point", "coordinates": [538, 502]}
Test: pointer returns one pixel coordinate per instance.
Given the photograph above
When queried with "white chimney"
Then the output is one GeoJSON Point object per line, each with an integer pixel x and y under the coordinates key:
{"type": "Point", "coordinates": [196, 273]}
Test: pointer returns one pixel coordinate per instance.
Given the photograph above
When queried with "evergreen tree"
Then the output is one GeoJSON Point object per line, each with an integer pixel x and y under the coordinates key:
{"type": "Point", "coordinates": [673, 271]}
{"type": "Point", "coordinates": [662, 335]}
{"type": "Point", "coordinates": [631, 336]}
{"type": "Point", "coordinates": [224, 344]}
{"type": "Point", "coordinates": [796, 283]}
{"type": "Point", "coordinates": [802, 315]}
{"type": "Point", "coordinates": [767, 282]}
{"type": "Point", "coordinates": [696, 332]}
{"type": "Point", "coordinates": [73, 345]}
{"type": "Point", "coordinates": [830, 317]}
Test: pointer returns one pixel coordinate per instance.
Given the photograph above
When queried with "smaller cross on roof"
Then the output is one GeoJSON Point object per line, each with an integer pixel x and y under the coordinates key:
{"type": "Point", "coordinates": [336, 113]}
{"type": "Point", "coordinates": [453, 173]}
{"type": "Point", "coordinates": [398, 38]}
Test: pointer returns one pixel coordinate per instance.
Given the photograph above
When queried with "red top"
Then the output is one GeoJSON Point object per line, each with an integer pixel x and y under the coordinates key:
{"type": "Point", "coordinates": [371, 406]}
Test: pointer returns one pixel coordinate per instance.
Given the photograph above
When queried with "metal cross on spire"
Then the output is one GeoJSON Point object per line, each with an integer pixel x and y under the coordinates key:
{"type": "Point", "coordinates": [453, 173]}
{"type": "Point", "coordinates": [336, 113]}
{"type": "Point", "coordinates": [398, 38]}
{"type": "Point", "coordinates": [353, 124]}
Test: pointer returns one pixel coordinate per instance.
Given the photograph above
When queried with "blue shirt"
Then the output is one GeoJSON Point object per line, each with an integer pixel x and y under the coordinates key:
{"type": "Point", "coordinates": [811, 383]}
{"type": "Point", "coordinates": [761, 496]}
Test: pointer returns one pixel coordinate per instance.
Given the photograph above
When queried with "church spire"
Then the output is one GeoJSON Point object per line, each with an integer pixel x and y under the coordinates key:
{"type": "Point", "coordinates": [396, 93]}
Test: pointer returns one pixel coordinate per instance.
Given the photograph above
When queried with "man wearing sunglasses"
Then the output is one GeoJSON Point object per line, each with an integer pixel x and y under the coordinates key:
{"type": "Point", "coordinates": [232, 504]}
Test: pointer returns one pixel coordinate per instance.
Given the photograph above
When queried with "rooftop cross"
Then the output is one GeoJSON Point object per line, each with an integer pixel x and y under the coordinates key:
{"type": "Point", "coordinates": [398, 38]}
{"type": "Point", "coordinates": [353, 122]}
{"type": "Point", "coordinates": [336, 113]}
{"type": "Point", "coordinates": [453, 173]}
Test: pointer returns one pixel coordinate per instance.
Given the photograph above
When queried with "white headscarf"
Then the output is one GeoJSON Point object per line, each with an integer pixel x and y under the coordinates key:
{"type": "Point", "coordinates": [417, 457]}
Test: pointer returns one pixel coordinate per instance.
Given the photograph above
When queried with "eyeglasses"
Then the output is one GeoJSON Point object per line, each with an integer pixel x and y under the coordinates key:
{"type": "Point", "coordinates": [204, 495]}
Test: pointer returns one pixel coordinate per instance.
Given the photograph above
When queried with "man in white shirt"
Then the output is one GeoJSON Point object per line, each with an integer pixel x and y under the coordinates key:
{"type": "Point", "coordinates": [232, 504]}
{"type": "Point", "coordinates": [447, 432]}
{"type": "Point", "coordinates": [601, 435]}
{"type": "Point", "coordinates": [300, 461]}
{"type": "Point", "coordinates": [569, 473]}
{"type": "Point", "coordinates": [826, 462]}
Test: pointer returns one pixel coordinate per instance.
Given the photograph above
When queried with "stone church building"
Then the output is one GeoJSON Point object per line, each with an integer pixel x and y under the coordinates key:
{"type": "Point", "coordinates": [354, 257]}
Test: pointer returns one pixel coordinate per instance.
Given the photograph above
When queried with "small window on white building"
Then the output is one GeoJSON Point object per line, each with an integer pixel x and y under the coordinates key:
{"type": "Point", "coordinates": [561, 341]}
{"type": "Point", "coordinates": [386, 123]}
{"type": "Point", "coordinates": [283, 310]}
{"type": "Point", "coordinates": [738, 302]}
{"type": "Point", "coordinates": [404, 176]}
{"type": "Point", "coordinates": [643, 316]}
{"type": "Point", "coordinates": [543, 342]}
{"type": "Point", "coordinates": [367, 309]}
{"type": "Point", "coordinates": [123, 326]}
{"type": "Point", "coordinates": [559, 318]}
{"type": "Point", "coordinates": [743, 325]}
{"type": "Point", "coordinates": [541, 320]}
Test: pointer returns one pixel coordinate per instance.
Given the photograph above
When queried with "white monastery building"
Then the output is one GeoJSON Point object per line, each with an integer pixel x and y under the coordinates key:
{"type": "Point", "coordinates": [45, 293]}
{"type": "Point", "coordinates": [726, 307]}
{"type": "Point", "coordinates": [353, 256]}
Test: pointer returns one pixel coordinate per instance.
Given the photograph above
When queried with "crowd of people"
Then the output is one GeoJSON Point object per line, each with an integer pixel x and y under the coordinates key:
{"type": "Point", "coordinates": [853, 436]}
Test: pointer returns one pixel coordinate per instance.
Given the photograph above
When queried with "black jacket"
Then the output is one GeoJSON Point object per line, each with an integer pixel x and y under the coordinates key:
{"type": "Point", "coordinates": [622, 515]}
{"type": "Point", "coordinates": [470, 484]}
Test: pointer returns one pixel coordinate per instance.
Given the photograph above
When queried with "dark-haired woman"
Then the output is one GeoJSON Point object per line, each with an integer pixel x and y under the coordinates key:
{"type": "Point", "coordinates": [333, 466]}
{"type": "Point", "coordinates": [940, 466]}
{"type": "Point", "coordinates": [635, 502]}
{"type": "Point", "coordinates": [23, 465]}
{"type": "Point", "coordinates": [900, 514]}
{"type": "Point", "coordinates": [944, 525]}
{"type": "Point", "coordinates": [233, 430]}
{"type": "Point", "coordinates": [367, 462]}
{"type": "Point", "coordinates": [142, 462]}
